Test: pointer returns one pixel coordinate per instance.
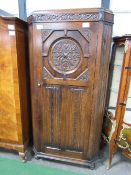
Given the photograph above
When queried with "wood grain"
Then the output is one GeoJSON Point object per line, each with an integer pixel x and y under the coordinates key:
{"type": "Point", "coordinates": [68, 110]}
{"type": "Point", "coordinates": [14, 85]}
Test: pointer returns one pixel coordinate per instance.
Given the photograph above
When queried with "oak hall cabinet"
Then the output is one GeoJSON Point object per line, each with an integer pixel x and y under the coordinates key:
{"type": "Point", "coordinates": [14, 84]}
{"type": "Point", "coordinates": [69, 59]}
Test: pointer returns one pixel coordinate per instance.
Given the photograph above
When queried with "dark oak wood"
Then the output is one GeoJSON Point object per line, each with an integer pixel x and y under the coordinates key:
{"type": "Point", "coordinates": [14, 85]}
{"type": "Point", "coordinates": [69, 59]}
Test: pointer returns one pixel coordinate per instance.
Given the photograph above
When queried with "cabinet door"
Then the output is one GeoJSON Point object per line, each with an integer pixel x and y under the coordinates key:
{"type": "Point", "coordinates": [65, 79]}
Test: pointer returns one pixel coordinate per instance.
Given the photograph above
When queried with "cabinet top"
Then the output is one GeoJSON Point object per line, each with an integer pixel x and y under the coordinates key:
{"type": "Point", "coordinates": [122, 38]}
{"type": "Point", "coordinates": [15, 19]}
{"type": "Point", "coordinates": [4, 21]}
{"type": "Point", "coordinates": [67, 15]}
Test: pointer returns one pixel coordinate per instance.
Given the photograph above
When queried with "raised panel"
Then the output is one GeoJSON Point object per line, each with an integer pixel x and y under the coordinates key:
{"type": "Point", "coordinates": [65, 56]}
{"type": "Point", "coordinates": [64, 115]}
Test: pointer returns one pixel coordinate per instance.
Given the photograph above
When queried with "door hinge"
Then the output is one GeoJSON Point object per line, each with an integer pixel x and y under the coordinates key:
{"type": "Point", "coordinates": [122, 104]}
{"type": "Point", "coordinates": [128, 67]}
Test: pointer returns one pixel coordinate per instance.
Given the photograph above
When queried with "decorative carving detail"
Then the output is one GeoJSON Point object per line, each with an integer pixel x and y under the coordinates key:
{"type": "Point", "coordinates": [86, 34]}
{"type": "Point", "coordinates": [83, 76]}
{"type": "Point", "coordinates": [66, 56]}
{"type": "Point", "coordinates": [45, 34]}
{"type": "Point", "coordinates": [52, 87]}
{"type": "Point", "coordinates": [77, 89]}
{"type": "Point", "coordinates": [67, 17]}
{"type": "Point", "coordinates": [47, 74]}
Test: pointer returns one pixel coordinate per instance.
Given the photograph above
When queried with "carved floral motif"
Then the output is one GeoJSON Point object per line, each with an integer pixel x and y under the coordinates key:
{"type": "Point", "coordinates": [66, 56]}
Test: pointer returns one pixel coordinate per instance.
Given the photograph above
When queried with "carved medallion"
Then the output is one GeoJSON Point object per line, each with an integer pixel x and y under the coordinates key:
{"type": "Point", "coordinates": [65, 56]}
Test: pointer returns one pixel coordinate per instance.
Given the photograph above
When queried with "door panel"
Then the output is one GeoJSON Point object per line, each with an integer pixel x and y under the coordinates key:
{"type": "Point", "coordinates": [66, 89]}
{"type": "Point", "coordinates": [64, 116]}
{"type": "Point", "coordinates": [63, 53]}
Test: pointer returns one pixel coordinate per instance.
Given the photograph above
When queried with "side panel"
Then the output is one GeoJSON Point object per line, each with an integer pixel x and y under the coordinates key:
{"type": "Point", "coordinates": [9, 97]}
{"type": "Point", "coordinates": [101, 79]}
{"type": "Point", "coordinates": [24, 120]}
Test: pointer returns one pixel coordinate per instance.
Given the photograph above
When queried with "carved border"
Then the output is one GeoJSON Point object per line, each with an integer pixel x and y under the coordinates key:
{"type": "Point", "coordinates": [47, 74]}
{"type": "Point", "coordinates": [46, 33]}
{"type": "Point", "coordinates": [85, 33]}
{"type": "Point", "coordinates": [66, 17]}
{"type": "Point", "coordinates": [83, 76]}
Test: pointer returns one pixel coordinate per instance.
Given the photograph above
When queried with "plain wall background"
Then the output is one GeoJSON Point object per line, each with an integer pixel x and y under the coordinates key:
{"type": "Point", "coordinates": [11, 6]}
{"type": "Point", "coordinates": [121, 9]}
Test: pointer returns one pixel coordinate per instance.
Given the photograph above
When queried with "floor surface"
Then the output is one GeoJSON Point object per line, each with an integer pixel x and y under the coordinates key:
{"type": "Point", "coordinates": [120, 164]}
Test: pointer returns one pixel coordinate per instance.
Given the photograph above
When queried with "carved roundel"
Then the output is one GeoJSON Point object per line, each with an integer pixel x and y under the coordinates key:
{"type": "Point", "coordinates": [65, 55]}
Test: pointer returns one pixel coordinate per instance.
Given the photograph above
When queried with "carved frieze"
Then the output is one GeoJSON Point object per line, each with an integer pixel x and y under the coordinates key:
{"type": "Point", "coordinates": [67, 17]}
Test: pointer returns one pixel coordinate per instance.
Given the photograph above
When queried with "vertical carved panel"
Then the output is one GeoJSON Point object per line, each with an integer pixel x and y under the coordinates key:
{"type": "Point", "coordinates": [54, 108]}
{"type": "Point", "coordinates": [76, 124]}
